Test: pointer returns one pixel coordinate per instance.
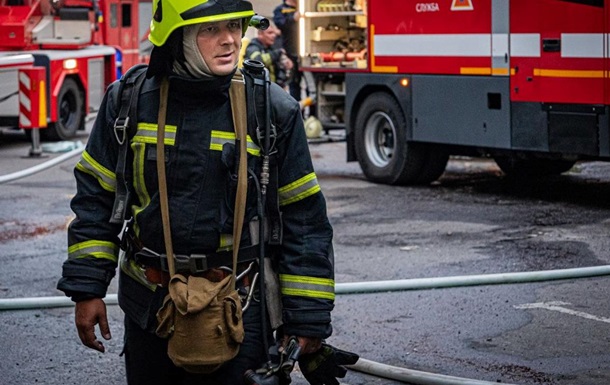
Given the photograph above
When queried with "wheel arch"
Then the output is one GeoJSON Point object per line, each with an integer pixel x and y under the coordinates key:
{"type": "Point", "coordinates": [76, 77]}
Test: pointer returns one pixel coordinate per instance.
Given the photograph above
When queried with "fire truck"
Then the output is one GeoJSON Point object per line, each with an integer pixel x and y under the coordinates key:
{"type": "Point", "coordinates": [58, 56]}
{"type": "Point", "coordinates": [524, 82]}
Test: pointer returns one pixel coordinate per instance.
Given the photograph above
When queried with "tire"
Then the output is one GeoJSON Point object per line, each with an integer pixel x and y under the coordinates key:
{"type": "Point", "coordinates": [70, 113]}
{"type": "Point", "coordinates": [382, 149]}
{"type": "Point", "coordinates": [531, 167]}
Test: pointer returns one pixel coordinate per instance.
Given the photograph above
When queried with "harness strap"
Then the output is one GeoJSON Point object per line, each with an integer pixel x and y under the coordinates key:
{"type": "Point", "coordinates": [163, 201]}
{"type": "Point", "coordinates": [129, 90]}
{"type": "Point", "coordinates": [237, 95]}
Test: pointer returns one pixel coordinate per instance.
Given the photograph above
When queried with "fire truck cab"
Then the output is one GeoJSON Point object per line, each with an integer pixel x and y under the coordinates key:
{"type": "Point", "coordinates": [412, 82]}
{"type": "Point", "coordinates": [58, 56]}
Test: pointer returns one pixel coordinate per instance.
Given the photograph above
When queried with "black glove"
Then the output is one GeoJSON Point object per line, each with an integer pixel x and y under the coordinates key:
{"type": "Point", "coordinates": [325, 366]}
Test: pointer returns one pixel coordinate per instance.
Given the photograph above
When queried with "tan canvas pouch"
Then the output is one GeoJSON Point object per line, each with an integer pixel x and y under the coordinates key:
{"type": "Point", "coordinates": [203, 321]}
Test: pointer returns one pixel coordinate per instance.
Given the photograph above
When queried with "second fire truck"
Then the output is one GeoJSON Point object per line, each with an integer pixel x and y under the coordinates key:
{"type": "Point", "coordinates": [58, 56]}
{"type": "Point", "coordinates": [522, 81]}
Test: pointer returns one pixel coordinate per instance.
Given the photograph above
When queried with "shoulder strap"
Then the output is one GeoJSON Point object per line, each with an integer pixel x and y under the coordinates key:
{"type": "Point", "coordinates": [260, 117]}
{"type": "Point", "coordinates": [237, 93]}
{"type": "Point", "coordinates": [124, 129]}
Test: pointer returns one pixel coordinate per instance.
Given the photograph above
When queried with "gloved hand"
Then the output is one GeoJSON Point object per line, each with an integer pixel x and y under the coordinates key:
{"type": "Point", "coordinates": [325, 366]}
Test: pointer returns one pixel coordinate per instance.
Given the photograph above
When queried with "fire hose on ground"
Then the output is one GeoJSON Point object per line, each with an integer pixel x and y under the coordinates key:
{"type": "Point", "coordinates": [371, 367]}
{"type": "Point", "coordinates": [41, 167]}
{"type": "Point", "coordinates": [363, 365]}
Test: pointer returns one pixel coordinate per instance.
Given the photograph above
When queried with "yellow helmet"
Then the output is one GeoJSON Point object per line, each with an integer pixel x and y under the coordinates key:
{"type": "Point", "coordinates": [168, 15]}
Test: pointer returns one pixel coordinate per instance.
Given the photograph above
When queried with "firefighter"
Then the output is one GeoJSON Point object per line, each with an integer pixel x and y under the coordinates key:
{"type": "Point", "coordinates": [286, 16]}
{"type": "Point", "coordinates": [262, 48]}
{"type": "Point", "coordinates": [196, 47]}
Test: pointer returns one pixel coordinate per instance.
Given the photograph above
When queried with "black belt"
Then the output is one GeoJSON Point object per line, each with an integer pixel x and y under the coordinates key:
{"type": "Point", "coordinates": [195, 263]}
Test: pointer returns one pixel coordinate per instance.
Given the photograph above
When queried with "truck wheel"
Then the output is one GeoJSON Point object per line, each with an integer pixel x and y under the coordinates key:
{"type": "Point", "coordinates": [383, 152]}
{"type": "Point", "coordinates": [531, 167]}
{"type": "Point", "coordinates": [70, 113]}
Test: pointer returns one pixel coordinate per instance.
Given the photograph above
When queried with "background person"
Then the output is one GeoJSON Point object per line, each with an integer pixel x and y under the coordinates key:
{"type": "Point", "coordinates": [286, 17]}
{"type": "Point", "coordinates": [263, 49]}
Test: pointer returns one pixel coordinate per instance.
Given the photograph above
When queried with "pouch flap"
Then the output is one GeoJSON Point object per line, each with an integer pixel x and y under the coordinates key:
{"type": "Point", "coordinates": [193, 294]}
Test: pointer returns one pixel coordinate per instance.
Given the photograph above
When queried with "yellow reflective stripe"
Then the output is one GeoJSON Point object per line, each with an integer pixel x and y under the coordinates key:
{"type": "Point", "coordinates": [226, 242]}
{"type": "Point", "coordinates": [93, 248]}
{"type": "Point", "coordinates": [308, 293]}
{"type": "Point", "coordinates": [139, 160]}
{"type": "Point", "coordinates": [301, 286]}
{"type": "Point", "coordinates": [105, 177]}
{"type": "Point", "coordinates": [299, 189]}
{"type": "Point", "coordinates": [147, 133]}
{"type": "Point", "coordinates": [255, 54]}
{"type": "Point", "coordinates": [266, 57]}
{"type": "Point", "coordinates": [219, 138]}
{"type": "Point", "coordinates": [252, 147]}
{"type": "Point", "coordinates": [308, 280]}
{"type": "Point", "coordinates": [132, 269]}
{"type": "Point", "coordinates": [268, 62]}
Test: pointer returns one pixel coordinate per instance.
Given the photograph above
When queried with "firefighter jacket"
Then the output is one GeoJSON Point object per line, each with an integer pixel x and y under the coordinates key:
{"type": "Point", "coordinates": [199, 141]}
{"type": "Point", "coordinates": [283, 17]}
{"type": "Point", "coordinates": [270, 57]}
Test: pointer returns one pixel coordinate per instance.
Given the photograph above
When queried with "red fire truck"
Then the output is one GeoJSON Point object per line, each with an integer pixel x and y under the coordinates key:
{"type": "Point", "coordinates": [524, 82]}
{"type": "Point", "coordinates": [58, 56]}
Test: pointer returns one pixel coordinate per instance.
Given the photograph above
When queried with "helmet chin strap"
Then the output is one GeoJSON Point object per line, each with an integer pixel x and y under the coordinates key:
{"type": "Point", "coordinates": [194, 65]}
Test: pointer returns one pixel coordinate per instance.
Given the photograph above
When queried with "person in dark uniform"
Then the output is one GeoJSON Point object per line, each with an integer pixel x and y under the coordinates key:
{"type": "Point", "coordinates": [286, 18]}
{"type": "Point", "coordinates": [196, 49]}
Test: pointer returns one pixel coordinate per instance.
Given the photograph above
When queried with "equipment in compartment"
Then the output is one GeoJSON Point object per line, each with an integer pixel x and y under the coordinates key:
{"type": "Point", "coordinates": [334, 6]}
{"type": "Point", "coordinates": [335, 34]}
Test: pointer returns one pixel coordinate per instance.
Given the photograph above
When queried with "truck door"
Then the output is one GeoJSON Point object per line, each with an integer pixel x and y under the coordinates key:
{"type": "Point", "coordinates": [122, 30]}
{"type": "Point", "coordinates": [558, 51]}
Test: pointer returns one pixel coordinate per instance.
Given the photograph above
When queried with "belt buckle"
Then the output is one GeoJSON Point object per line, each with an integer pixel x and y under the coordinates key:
{"type": "Point", "coordinates": [198, 263]}
{"type": "Point", "coordinates": [191, 264]}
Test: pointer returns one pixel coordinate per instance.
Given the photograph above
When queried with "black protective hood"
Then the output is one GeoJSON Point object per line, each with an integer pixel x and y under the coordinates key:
{"type": "Point", "coordinates": [162, 58]}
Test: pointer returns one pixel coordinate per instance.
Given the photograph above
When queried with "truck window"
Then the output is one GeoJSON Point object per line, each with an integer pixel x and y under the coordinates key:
{"type": "Point", "coordinates": [126, 15]}
{"type": "Point", "coordinates": [113, 16]}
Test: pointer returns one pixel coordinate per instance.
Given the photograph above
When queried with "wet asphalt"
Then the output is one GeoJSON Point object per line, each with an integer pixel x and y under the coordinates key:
{"type": "Point", "coordinates": [473, 220]}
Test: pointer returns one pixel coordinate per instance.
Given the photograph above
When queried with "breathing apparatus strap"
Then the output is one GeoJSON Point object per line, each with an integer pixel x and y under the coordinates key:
{"type": "Point", "coordinates": [129, 92]}
{"type": "Point", "coordinates": [259, 108]}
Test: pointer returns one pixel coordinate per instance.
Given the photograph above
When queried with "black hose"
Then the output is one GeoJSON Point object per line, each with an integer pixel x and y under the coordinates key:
{"type": "Point", "coordinates": [4, 98]}
{"type": "Point", "coordinates": [261, 264]}
{"type": "Point", "coordinates": [256, 71]}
